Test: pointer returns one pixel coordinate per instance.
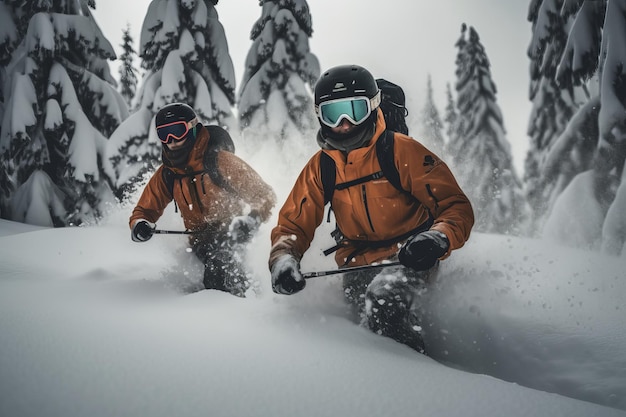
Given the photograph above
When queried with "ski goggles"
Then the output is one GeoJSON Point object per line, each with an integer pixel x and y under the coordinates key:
{"type": "Point", "coordinates": [355, 109]}
{"type": "Point", "coordinates": [176, 131]}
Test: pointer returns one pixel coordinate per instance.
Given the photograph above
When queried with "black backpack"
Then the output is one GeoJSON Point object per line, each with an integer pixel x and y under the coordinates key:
{"type": "Point", "coordinates": [220, 140]}
{"type": "Point", "coordinates": [393, 106]}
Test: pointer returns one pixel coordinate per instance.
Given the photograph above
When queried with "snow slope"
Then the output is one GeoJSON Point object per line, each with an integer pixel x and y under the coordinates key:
{"type": "Point", "coordinates": [94, 324]}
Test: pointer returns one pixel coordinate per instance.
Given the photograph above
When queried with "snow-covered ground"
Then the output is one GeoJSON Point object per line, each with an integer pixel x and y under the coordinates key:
{"type": "Point", "coordinates": [92, 324]}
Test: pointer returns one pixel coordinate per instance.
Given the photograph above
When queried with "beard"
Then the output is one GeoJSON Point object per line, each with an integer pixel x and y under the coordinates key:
{"type": "Point", "coordinates": [358, 138]}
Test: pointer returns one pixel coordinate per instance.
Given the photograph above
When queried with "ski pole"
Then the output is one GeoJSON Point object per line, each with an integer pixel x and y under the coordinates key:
{"type": "Point", "coordinates": [173, 232]}
{"type": "Point", "coordinates": [351, 269]}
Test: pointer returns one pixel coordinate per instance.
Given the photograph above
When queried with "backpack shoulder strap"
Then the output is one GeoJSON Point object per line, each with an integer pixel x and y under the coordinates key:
{"type": "Point", "coordinates": [328, 174]}
{"type": "Point", "coordinates": [168, 178]}
{"type": "Point", "coordinates": [386, 158]}
{"type": "Point", "coordinates": [220, 140]}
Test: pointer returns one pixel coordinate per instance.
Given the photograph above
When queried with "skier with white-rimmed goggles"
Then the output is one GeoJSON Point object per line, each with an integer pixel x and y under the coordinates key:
{"type": "Point", "coordinates": [393, 201]}
{"type": "Point", "coordinates": [355, 109]}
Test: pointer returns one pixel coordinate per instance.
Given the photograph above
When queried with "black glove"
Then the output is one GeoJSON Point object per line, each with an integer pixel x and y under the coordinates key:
{"type": "Point", "coordinates": [142, 231]}
{"type": "Point", "coordinates": [286, 276]}
{"type": "Point", "coordinates": [242, 228]}
{"type": "Point", "coordinates": [422, 251]}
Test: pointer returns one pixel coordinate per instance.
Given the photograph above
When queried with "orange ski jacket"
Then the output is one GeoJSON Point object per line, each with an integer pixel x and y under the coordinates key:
{"type": "Point", "coordinates": [374, 211]}
{"type": "Point", "coordinates": [203, 205]}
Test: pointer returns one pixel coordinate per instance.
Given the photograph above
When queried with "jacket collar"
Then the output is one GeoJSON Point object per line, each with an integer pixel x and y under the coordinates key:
{"type": "Point", "coordinates": [195, 157]}
{"type": "Point", "coordinates": [338, 155]}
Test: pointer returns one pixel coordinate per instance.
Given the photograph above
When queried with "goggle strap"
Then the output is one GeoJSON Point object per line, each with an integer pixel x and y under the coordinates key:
{"type": "Point", "coordinates": [192, 123]}
{"type": "Point", "coordinates": [375, 101]}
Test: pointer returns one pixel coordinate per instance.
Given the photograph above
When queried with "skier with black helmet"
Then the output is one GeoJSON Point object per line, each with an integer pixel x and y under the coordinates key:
{"type": "Point", "coordinates": [221, 199]}
{"type": "Point", "coordinates": [418, 224]}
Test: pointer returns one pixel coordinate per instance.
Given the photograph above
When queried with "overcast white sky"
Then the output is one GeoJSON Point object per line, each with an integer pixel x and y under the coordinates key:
{"type": "Point", "coordinates": [402, 40]}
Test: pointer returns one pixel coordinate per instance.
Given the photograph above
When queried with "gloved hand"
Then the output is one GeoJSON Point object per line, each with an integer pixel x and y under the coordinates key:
{"type": "Point", "coordinates": [242, 228]}
{"type": "Point", "coordinates": [286, 276]}
{"type": "Point", "coordinates": [142, 231]}
{"type": "Point", "coordinates": [422, 251]}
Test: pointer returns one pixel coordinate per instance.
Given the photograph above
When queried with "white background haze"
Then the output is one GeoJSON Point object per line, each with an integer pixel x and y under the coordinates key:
{"type": "Point", "coordinates": [401, 40]}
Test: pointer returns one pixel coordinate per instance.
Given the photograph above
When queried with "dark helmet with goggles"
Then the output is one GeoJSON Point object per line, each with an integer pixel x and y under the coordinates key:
{"type": "Point", "coordinates": [346, 92]}
{"type": "Point", "coordinates": [174, 122]}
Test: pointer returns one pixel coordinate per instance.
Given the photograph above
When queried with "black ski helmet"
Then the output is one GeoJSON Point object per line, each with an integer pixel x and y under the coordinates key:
{"type": "Point", "coordinates": [342, 82]}
{"type": "Point", "coordinates": [174, 112]}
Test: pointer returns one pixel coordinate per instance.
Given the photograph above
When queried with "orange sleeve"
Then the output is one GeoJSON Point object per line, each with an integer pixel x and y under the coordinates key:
{"type": "Point", "coordinates": [300, 215]}
{"type": "Point", "coordinates": [154, 198]}
{"type": "Point", "coordinates": [430, 180]}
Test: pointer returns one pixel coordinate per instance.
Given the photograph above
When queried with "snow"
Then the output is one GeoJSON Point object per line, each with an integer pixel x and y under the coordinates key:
{"type": "Point", "coordinates": [23, 115]}
{"type": "Point", "coordinates": [577, 216]}
{"type": "Point", "coordinates": [37, 200]}
{"type": "Point", "coordinates": [94, 324]}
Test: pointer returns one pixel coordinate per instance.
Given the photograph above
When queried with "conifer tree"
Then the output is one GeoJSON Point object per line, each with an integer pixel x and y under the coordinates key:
{"type": "Point", "coordinates": [185, 54]}
{"type": "Point", "coordinates": [59, 105]}
{"type": "Point", "coordinates": [128, 72]}
{"type": "Point", "coordinates": [553, 107]}
{"type": "Point", "coordinates": [456, 127]}
{"type": "Point", "coordinates": [430, 122]}
{"type": "Point", "coordinates": [9, 38]}
{"type": "Point", "coordinates": [592, 148]}
{"type": "Point", "coordinates": [275, 99]}
{"type": "Point", "coordinates": [481, 153]}
{"type": "Point", "coordinates": [451, 119]}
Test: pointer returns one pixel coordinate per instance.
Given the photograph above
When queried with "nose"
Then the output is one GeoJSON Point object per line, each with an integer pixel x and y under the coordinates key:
{"type": "Point", "coordinates": [175, 144]}
{"type": "Point", "coordinates": [345, 123]}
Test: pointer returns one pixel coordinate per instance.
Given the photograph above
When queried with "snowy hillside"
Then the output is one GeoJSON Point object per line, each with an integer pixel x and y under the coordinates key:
{"type": "Point", "coordinates": [93, 324]}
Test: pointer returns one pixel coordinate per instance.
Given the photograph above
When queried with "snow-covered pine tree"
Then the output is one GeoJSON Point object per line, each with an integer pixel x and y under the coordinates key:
{"type": "Point", "coordinates": [451, 119]}
{"type": "Point", "coordinates": [275, 99]}
{"type": "Point", "coordinates": [9, 39]}
{"type": "Point", "coordinates": [455, 122]}
{"type": "Point", "coordinates": [593, 58]}
{"type": "Point", "coordinates": [481, 154]}
{"type": "Point", "coordinates": [553, 107]}
{"type": "Point", "coordinates": [185, 54]}
{"type": "Point", "coordinates": [128, 72]}
{"type": "Point", "coordinates": [431, 125]}
{"type": "Point", "coordinates": [60, 104]}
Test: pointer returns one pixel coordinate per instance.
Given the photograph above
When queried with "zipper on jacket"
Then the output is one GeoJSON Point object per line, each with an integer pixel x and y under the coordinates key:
{"type": "Point", "coordinates": [430, 193]}
{"type": "Point", "coordinates": [202, 183]}
{"type": "Point", "coordinates": [182, 193]}
{"type": "Point", "coordinates": [367, 211]}
{"type": "Point", "coordinates": [193, 189]}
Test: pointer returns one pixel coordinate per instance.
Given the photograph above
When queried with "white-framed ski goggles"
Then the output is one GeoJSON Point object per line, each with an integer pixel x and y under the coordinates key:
{"type": "Point", "coordinates": [354, 109]}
